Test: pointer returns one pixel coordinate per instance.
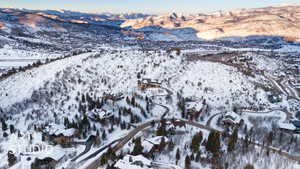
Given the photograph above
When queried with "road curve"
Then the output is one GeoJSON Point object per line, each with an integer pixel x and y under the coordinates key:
{"type": "Point", "coordinates": [126, 139]}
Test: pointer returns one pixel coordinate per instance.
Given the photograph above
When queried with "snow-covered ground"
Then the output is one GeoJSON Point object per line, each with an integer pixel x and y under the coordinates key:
{"type": "Point", "coordinates": [20, 86]}
{"type": "Point", "coordinates": [57, 93]}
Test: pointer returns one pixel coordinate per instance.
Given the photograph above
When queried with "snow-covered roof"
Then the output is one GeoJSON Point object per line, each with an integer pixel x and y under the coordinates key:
{"type": "Point", "coordinates": [149, 143]}
{"type": "Point", "coordinates": [56, 153]}
{"type": "Point", "coordinates": [54, 129]}
{"type": "Point", "coordinates": [126, 162]}
{"type": "Point", "coordinates": [149, 80]}
{"type": "Point", "coordinates": [232, 116]}
{"type": "Point", "coordinates": [101, 113]}
{"type": "Point", "coordinates": [194, 105]}
{"type": "Point", "coordinates": [287, 126]}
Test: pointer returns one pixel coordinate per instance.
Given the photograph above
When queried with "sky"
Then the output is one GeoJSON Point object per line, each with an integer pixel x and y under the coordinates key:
{"type": "Point", "coordinates": [143, 6]}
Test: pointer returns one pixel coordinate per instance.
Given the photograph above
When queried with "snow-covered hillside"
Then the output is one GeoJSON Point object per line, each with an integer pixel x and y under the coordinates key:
{"type": "Point", "coordinates": [77, 91]}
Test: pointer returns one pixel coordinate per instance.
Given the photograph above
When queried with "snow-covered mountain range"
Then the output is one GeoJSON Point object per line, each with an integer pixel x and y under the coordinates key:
{"type": "Point", "coordinates": [282, 21]}
{"type": "Point", "coordinates": [269, 21]}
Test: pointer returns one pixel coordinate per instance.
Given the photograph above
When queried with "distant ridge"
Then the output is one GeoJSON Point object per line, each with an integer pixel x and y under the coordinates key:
{"type": "Point", "coordinates": [281, 20]}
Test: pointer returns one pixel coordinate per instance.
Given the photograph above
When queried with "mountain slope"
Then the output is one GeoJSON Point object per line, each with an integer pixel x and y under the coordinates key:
{"type": "Point", "coordinates": [271, 21]}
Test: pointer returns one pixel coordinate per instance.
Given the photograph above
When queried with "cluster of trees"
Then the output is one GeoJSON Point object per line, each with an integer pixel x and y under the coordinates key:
{"type": "Point", "coordinates": [298, 115]}
{"type": "Point", "coordinates": [133, 103]}
{"type": "Point", "coordinates": [6, 127]}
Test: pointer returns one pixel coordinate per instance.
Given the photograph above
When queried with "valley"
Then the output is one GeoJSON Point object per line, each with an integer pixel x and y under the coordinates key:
{"type": "Point", "coordinates": [85, 91]}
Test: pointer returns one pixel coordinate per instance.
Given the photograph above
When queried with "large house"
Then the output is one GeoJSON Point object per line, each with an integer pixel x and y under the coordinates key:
{"type": "Point", "coordinates": [44, 159]}
{"type": "Point", "coordinates": [148, 83]}
{"type": "Point", "coordinates": [193, 107]}
{"type": "Point", "coordinates": [59, 134]}
{"type": "Point", "coordinates": [231, 118]}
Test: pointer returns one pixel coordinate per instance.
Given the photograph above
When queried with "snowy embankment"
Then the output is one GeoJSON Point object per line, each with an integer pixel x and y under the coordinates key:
{"type": "Point", "coordinates": [20, 86]}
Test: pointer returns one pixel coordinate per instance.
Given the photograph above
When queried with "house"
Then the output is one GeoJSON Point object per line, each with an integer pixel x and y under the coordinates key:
{"type": "Point", "coordinates": [232, 118]}
{"type": "Point", "coordinates": [193, 107]}
{"type": "Point", "coordinates": [296, 123]}
{"type": "Point", "coordinates": [295, 82]}
{"type": "Point", "coordinates": [59, 134]}
{"type": "Point", "coordinates": [153, 144]}
{"type": "Point", "coordinates": [100, 114]}
{"type": "Point", "coordinates": [293, 126]}
{"type": "Point", "coordinates": [113, 97]}
{"type": "Point", "coordinates": [148, 83]}
{"type": "Point", "coordinates": [178, 123]}
{"type": "Point", "coordinates": [133, 162]}
{"type": "Point", "coordinates": [177, 51]}
{"type": "Point", "coordinates": [44, 159]}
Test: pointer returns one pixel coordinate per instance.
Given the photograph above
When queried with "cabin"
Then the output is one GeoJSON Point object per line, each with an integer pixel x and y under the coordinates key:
{"type": "Point", "coordinates": [231, 118]}
{"type": "Point", "coordinates": [148, 83]}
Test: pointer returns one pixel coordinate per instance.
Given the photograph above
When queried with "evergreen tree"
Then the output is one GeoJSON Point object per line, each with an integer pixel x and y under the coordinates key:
{"type": "Point", "coordinates": [213, 142]}
{"type": "Point", "coordinates": [12, 128]}
{"type": "Point", "coordinates": [162, 128]}
{"type": "Point", "coordinates": [83, 98]}
{"type": "Point", "coordinates": [196, 141]}
{"type": "Point", "coordinates": [232, 140]}
{"type": "Point", "coordinates": [171, 145]}
{"type": "Point", "coordinates": [248, 166]}
{"type": "Point", "coordinates": [187, 162]}
{"type": "Point", "coordinates": [162, 144]}
{"type": "Point", "coordinates": [85, 121]}
{"type": "Point", "coordinates": [12, 159]}
{"type": "Point", "coordinates": [177, 155]}
{"type": "Point", "coordinates": [104, 135]}
{"type": "Point", "coordinates": [111, 154]}
{"type": "Point", "coordinates": [4, 125]}
{"type": "Point", "coordinates": [97, 139]}
{"type": "Point", "coordinates": [270, 138]}
{"type": "Point", "coordinates": [198, 156]}
{"type": "Point", "coordinates": [138, 148]}
{"type": "Point", "coordinates": [246, 143]}
{"type": "Point", "coordinates": [103, 160]}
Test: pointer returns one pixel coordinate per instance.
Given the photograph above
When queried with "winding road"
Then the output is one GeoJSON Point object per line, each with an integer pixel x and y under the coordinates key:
{"type": "Point", "coordinates": [282, 87]}
{"type": "Point", "coordinates": [131, 134]}
{"type": "Point", "coordinates": [167, 109]}
{"type": "Point", "coordinates": [88, 145]}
